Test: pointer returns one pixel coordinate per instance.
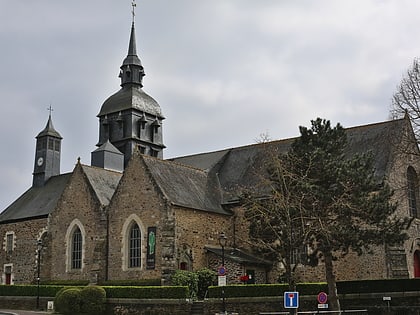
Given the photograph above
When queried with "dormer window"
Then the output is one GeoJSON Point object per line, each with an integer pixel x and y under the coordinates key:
{"type": "Point", "coordinates": [155, 125]}
{"type": "Point", "coordinates": [142, 121]}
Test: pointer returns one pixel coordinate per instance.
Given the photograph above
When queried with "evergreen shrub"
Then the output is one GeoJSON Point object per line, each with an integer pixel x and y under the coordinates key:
{"type": "Point", "coordinates": [206, 278]}
{"type": "Point", "coordinates": [186, 278]}
{"type": "Point", "coordinates": [68, 301]}
{"type": "Point", "coordinates": [93, 300]}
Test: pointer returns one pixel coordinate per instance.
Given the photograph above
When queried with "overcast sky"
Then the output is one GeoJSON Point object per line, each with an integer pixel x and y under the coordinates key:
{"type": "Point", "coordinates": [223, 71]}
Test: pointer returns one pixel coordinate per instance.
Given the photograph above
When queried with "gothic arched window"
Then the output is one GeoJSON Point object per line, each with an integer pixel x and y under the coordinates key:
{"type": "Point", "coordinates": [76, 249]}
{"type": "Point", "coordinates": [413, 191]}
{"type": "Point", "coordinates": [134, 249]}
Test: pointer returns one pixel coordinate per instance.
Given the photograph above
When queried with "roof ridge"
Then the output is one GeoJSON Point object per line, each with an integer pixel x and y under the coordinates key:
{"type": "Point", "coordinates": [169, 161]}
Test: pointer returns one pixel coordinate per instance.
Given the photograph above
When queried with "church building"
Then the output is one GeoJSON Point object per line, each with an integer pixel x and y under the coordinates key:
{"type": "Point", "coordinates": [131, 214]}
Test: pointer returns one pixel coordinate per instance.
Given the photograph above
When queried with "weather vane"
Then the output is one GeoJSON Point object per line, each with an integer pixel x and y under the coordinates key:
{"type": "Point", "coordinates": [133, 4]}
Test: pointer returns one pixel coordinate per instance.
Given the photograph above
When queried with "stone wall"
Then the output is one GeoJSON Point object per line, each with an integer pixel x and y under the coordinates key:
{"type": "Point", "coordinates": [78, 206]}
{"type": "Point", "coordinates": [22, 259]}
{"type": "Point", "coordinates": [407, 303]}
{"type": "Point", "coordinates": [138, 199]}
{"type": "Point", "coordinates": [196, 229]}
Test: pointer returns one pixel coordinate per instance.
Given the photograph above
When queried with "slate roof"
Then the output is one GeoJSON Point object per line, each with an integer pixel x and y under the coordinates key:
{"type": "Point", "coordinates": [186, 186]}
{"type": "Point", "coordinates": [206, 181]}
{"type": "Point", "coordinates": [36, 202]}
{"type": "Point", "coordinates": [104, 182]}
{"type": "Point", "coordinates": [239, 168]}
{"type": "Point", "coordinates": [128, 98]}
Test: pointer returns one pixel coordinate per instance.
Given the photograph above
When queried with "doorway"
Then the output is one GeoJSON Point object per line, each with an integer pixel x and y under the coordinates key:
{"type": "Point", "coordinates": [417, 264]}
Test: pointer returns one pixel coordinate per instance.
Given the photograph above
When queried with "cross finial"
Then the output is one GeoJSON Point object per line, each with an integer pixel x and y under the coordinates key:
{"type": "Point", "coordinates": [50, 109]}
{"type": "Point", "coordinates": [133, 4]}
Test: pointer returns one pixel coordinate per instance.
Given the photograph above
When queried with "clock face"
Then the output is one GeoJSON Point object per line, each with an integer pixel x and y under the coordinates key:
{"type": "Point", "coordinates": [40, 161]}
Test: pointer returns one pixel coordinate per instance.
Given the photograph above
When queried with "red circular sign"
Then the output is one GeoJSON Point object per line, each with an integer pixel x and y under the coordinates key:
{"type": "Point", "coordinates": [322, 297]}
{"type": "Point", "coordinates": [221, 271]}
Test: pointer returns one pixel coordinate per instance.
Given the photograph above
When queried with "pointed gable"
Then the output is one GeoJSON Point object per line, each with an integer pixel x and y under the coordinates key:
{"type": "Point", "coordinates": [103, 182]}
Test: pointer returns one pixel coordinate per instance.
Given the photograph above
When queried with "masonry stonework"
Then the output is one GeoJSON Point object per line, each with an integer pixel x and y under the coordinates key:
{"type": "Point", "coordinates": [138, 198]}
{"type": "Point", "coordinates": [79, 203]}
{"type": "Point", "coordinates": [21, 260]}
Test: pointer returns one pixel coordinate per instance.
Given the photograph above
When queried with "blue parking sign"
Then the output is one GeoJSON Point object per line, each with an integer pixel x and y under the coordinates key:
{"type": "Point", "coordinates": [291, 299]}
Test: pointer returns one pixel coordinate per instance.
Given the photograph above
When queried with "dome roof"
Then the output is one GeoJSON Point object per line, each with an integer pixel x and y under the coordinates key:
{"type": "Point", "coordinates": [130, 98]}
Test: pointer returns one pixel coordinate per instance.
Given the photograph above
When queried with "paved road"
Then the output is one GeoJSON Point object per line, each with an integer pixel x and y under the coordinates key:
{"type": "Point", "coordinates": [21, 312]}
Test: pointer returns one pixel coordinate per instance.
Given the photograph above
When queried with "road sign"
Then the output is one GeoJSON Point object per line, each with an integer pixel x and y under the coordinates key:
{"type": "Point", "coordinates": [221, 281]}
{"type": "Point", "coordinates": [291, 299]}
{"type": "Point", "coordinates": [322, 297]}
{"type": "Point", "coordinates": [322, 305]}
{"type": "Point", "coordinates": [221, 271]}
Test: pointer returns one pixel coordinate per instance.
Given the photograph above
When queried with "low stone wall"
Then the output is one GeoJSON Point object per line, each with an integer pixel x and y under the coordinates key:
{"type": "Point", "coordinates": [407, 303]}
{"type": "Point", "coordinates": [148, 307]}
{"type": "Point", "coordinates": [23, 302]}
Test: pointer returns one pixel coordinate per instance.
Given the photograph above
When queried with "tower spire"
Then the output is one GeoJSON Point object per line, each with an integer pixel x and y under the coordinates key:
{"type": "Point", "coordinates": [133, 12]}
{"type": "Point", "coordinates": [132, 71]}
{"type": "Point", "coordinates": [130, 119]}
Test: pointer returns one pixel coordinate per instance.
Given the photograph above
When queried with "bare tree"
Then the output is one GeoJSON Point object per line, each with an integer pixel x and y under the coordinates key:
{"type": "Point", "coordinates": [406, 103]}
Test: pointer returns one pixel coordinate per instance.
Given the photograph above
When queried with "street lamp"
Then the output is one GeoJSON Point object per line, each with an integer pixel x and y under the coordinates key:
{"type": "Point", "coordinates": [222, 242]}
{"type": "Point", "coordinates": [38, 267]}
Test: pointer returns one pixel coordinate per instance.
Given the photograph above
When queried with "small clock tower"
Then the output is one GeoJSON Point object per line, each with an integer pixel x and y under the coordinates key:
{"type": "Point", "coordinates": [47, 154]}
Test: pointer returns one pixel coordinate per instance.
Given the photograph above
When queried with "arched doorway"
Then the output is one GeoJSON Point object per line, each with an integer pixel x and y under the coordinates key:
{"type": "Point", "coordinates": [417, 264]}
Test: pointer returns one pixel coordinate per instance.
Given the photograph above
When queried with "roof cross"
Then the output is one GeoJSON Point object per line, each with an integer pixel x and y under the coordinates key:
{"type": "Point", "coordinates": [50, 109]}
{"type": "Point", "coordinates": [133, 4]}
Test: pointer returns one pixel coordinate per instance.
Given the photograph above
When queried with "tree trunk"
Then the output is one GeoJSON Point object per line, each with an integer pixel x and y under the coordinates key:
{"type": "Point", "coordinates": [332, 287]}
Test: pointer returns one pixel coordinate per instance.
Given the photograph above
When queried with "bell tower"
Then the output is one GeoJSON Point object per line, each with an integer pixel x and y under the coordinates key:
{"type": "Point", "coordinates": [130, 119]}
{"type": "Point", "coordinates": [47, 154]}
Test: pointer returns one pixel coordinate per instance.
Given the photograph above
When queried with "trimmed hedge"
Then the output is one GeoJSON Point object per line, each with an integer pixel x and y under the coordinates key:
{"type": "Point", "coordinates": [375, 286]}
{"type": "Point", "coordinates": [132, 283]}
{"type": "Point", "coordinates": [260, 290]}
{"type": "Point", "coordinates": [147, 292]}
{"type": "Point", "coordinates": [73, 283]}
{"type": "Point", "coordinates": [29, 290]}
{"type": "Point", "coordinates": [343, 287]}
{"type": "Point", "coordinates": [150, 292]}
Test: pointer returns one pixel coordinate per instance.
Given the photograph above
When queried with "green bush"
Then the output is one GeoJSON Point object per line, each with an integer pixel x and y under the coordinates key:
{"type": "Point", "coordinates": [93, 299]}
{"type": "Point", "coordinates": [150, 292]}
{"type": "Point", "coordinates": [186, 278]}
{"type": "Point", "coordinates": [68, 300]}
{"type": "Point", "coordinates": [206, 278]}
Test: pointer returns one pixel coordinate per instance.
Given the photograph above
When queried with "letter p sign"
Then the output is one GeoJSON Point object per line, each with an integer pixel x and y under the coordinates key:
{"type": "Point", "coordinates": [291, 299]}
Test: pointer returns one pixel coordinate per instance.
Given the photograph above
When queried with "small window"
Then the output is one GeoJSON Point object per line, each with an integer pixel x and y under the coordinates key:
{"type": "Point", "coordinates": [135, 246]}
{"type": "Point", "coordinates": [76, 250]}
{"type": "Point", "coordinates": [9, 242]}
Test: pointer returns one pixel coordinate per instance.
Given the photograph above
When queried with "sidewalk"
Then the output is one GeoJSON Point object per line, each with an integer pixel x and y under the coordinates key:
{"type": "Point", "coordinates": [22, 312]}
